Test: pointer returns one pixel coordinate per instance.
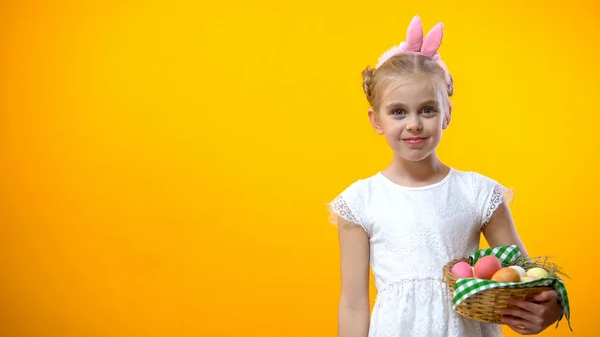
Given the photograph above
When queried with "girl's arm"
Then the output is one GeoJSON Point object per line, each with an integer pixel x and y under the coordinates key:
{"type": "Point", "coordinates": [501, 231]}
{"type": "Point", "coordinates": [530, 317]}
{"type": "Point", "coordinates": [354, 306]}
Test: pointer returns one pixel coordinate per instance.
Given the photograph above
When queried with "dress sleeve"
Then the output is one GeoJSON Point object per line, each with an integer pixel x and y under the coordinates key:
{"type": "Point", "coordinates": [490, 194]}
{"type": "Point", "coordinates": [349, 205]}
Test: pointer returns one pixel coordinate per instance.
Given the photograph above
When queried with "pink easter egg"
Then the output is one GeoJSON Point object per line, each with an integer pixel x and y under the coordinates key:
{"type": "Point", "coordinates": [462, 270]}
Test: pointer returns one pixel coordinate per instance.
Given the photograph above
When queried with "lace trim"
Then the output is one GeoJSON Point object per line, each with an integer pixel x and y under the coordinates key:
{"type": "Point", "coordinates": [499, 194]}
{"type": "Point", "coordinates": [339, 207]}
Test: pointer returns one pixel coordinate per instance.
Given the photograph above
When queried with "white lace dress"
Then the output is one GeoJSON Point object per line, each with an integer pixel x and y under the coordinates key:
{"type": "Point", "coordinates": [414, 232]}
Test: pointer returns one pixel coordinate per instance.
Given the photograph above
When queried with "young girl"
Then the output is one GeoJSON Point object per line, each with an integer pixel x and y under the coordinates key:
{"type": "Point", "coordinates": [408, 220]}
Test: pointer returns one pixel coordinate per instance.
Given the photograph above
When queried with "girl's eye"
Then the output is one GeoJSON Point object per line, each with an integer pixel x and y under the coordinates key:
{"type": "Point", "coordinates": [397, 112]}
{"type": "Point", "coordinates": [428, 110]}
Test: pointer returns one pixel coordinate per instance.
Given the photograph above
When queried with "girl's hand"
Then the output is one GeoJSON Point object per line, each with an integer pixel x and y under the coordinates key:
{"type": "Point", "coordinates": [532, 318]}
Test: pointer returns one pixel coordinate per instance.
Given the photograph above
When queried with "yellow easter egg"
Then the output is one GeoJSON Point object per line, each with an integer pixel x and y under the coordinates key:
{"type": "Point", "coordinates": [537, 272]}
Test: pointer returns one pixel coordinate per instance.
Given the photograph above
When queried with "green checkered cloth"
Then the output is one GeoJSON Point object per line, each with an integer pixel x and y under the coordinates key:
{"type": "Point", "coordinates": [466, 287]}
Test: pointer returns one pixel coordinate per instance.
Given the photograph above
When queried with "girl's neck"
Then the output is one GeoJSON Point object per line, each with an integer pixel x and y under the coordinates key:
{"type": "Point", "coordinates": [416, 173]}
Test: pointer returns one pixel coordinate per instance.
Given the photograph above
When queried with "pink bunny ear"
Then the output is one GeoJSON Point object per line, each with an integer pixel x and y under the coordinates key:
{"type": "Point", "coordinates": [433, 40]}
{"type": "Point", "coordinates": [414, 35]}
{"type": "Point", "coordinates": [416, 44]}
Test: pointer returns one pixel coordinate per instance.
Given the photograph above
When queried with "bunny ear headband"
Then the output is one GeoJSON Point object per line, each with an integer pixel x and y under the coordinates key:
{"type": "Point", "coordinates": [416, 44]}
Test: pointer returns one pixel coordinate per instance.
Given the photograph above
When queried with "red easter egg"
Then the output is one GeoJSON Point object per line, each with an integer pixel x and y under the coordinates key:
{"type": "Point", "coordinates": [486, 267]}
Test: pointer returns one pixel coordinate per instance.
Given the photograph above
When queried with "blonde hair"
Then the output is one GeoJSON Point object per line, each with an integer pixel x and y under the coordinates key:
{"type": "Point", "coordinates": [403, 67]}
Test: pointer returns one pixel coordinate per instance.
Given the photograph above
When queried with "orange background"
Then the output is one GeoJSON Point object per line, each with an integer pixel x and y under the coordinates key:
{"type": "Point", "coordinates": [165, 165]}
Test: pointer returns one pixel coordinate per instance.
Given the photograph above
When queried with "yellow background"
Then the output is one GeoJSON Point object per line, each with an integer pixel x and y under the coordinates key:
{"type": "Point", "coordinates": [165, 165]}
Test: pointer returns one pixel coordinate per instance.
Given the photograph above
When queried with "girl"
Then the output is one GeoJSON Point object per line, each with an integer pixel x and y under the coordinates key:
{"type": "Point", "coordinates": [417, 214]}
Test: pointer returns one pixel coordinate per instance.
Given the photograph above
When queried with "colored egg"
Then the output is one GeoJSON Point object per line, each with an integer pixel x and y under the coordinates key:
{"type": "Point", "coordinates": [506, 275]}
{"type": "Point", "coordinates": [520, 270]}
{"type": "Point", "coordinates": [537, 272]}
{"type": "Point", "coordinates": [462, 270]}
{"type": "Point", "coordinates": [486, 267]}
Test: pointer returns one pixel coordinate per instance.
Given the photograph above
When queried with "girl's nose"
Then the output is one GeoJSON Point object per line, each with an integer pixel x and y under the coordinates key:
{"type": "Point", "coordinates": [414, 124]}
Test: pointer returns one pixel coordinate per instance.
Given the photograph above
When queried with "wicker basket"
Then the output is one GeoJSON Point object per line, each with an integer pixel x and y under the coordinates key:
{"type": "Point", "coordinates": [487, 305]}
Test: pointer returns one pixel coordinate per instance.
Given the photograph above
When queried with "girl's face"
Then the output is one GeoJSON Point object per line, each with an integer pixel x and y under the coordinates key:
{"type": "Point", "coordinates": [411, 117]}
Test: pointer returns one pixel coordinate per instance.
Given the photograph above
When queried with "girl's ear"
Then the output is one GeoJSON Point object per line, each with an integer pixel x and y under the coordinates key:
{"type": "Point", "coordinates": [375, 121]}
{"type": "Point", "coordinates": [447, 117]}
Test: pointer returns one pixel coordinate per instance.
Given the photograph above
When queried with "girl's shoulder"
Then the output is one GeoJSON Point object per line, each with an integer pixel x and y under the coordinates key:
{"type": "Point", "coordinates": [475, 180]}
{"type": "Point", "coordinates": [356, 191]}
{"type": "Point", "coordinates": [351, 202]}
{"type": "Point", "coordinates": [362, 188]}
{"type": "Point", "coordinates": [487, 193]}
